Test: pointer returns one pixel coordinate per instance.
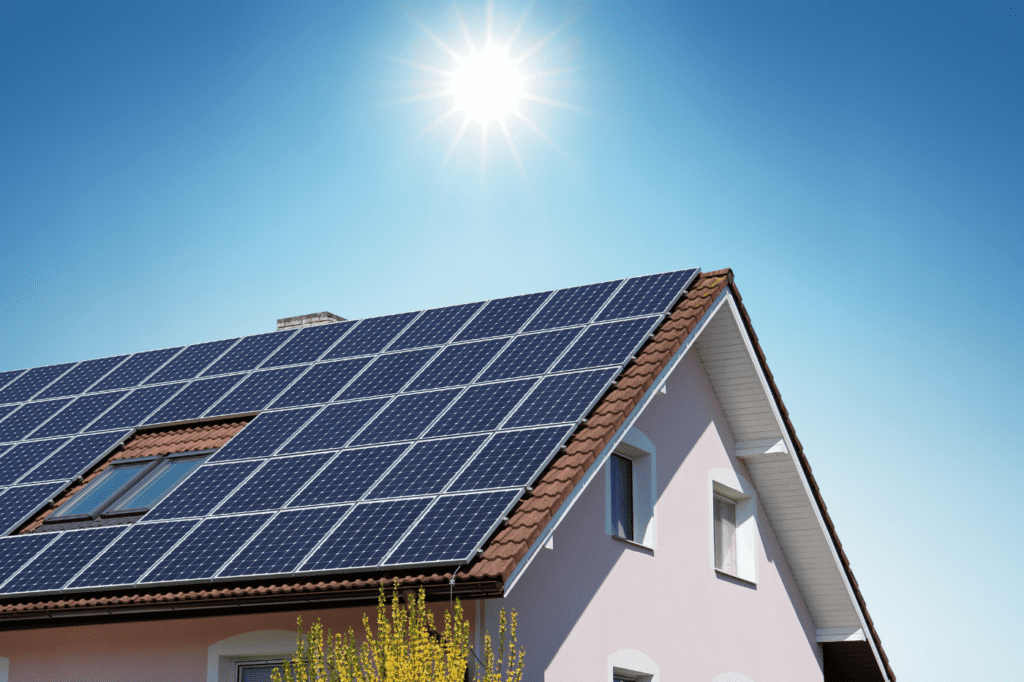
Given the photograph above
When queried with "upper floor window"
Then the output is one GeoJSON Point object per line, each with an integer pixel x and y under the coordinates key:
{"type": "Point", "coordinates": [734, 535]}
{"type": "Point", "coordinates": [631, 490]}
{"type": "Point", "coordinates": [622, 496]}
{"type": "Point", "coordinates": [725, 534]}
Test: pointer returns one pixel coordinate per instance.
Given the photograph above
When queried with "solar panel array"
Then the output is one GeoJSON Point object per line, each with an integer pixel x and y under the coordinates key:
{"type": "Point", "coordinates": [391, 441]}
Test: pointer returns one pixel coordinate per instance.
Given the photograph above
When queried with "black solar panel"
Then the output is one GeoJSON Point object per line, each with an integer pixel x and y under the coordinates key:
{"type": "Point", "coordinates": [248, 353]}
{"type": "Point", "coordinates": [405, 417]}
{"type": "Point", "coordinates": [333, 427]}
{"type": "Point", "coordinates": [388, 374]}
{"type": "Point", "coordinates": [607, 344]}
{"type": "Point", "coordinates": [60, 561]}
{"type": "Point", "coordinates": [561, 398]}
{"type": "Point", "coordinates": [81, 377]}
{"type": "Point", "coordinates": [29, 383]}
{"type": "Point", "coordinates": [453, 528]}
{"type": "Point", "coordinates": [135, 407]}
{"type": "Point", "coordinates": [427, 467]}
{"type": "Point", "coordinates": [370, 336]}
{"type": "Point", "coordinates": [193, 400]}
{"type": "Point", "coordinates": [19, 459]}
{"type": "Point", "coordinates": [647, 295]}
{"type": "Point", "coordinates": [202, 491]}
{"type": "Point", "coordinates": [17, 550]}
{"type": "Point", "coordinates": [274, 484]}
{"type": "Point", "coordinates": [19, 502]}
{"type": "Point", "coordinates": [264, 434]}
{"type": "Point", "coordinates": [284, 542]}
{"type": "Point", "coordinates": [435, 326]}
{"type": "Point", "coordinates": [78, 414]}
{"type": "Point", "coordinates": [530, 354]}
{"type": "Point", "coordinates": [6, 410]}
{"type": "Point", "coordinates": [457, 365]}
{"type": "Point", "coordinates": [206, 549]}
{"type": "Point", "coordinates": [134, 370]}
{"type": "Point", "coordinates": [28, 417]}
{"type": "Point", "coordinates": [321, 383]}
{"type": "Point", "coordinates": [9, 376]}
{"type": "Point", "coordinates": [191, 361]}
{"type": "Point", "coordinates": [349, 475]}
{"type": "Point", "coordinates": [308, 344]}
{"type": "Point", "coordinates": [502, 316]}
{"type": "Point", "coordinates": [256, 392]}
{"type": "Point", "coordinates": [74, 458]}
{"type": "Point", "coordinates": [128, 557]}
{"type": "Point", "coordinates": [568, 307]}
{"type": "Point", "coordinates": [365, 535]}
{"type": "Point", "coordinates": [481, 408]}
{"type": "Point", "coordinates": [511, 459]}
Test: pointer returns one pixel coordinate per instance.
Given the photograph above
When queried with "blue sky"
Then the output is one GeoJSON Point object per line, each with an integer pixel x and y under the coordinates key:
{"type": "Point", "coordinates": [179, 172]}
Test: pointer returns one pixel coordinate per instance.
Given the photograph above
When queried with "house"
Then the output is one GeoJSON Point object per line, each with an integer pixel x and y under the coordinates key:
{"type": "Point", "coordinates": [613, 461]}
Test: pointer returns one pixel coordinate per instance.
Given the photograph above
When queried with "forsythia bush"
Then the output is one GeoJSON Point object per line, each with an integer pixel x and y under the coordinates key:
{"type": "Point", "coordinates": [404, 648]}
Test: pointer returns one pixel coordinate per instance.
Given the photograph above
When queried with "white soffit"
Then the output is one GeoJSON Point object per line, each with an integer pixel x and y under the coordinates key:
{"type": "Point", "coordinates": [757, 427]}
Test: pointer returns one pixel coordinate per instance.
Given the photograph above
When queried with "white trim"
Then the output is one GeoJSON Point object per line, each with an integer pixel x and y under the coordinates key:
{"type": "Point", "coordinates": [633, 663]}
{"type": "Point", "coordinates": [841, 635]}
{"type": "Point", "coordinates": [751, 449]}
{"type": "Point", "coordinates": [257, 645]}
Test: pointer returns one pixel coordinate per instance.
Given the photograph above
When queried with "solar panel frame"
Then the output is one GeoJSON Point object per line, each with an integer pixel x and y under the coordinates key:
{"type": "Point", "coordinates": [387, 374]}
{"type": "Point", "coordinates": [194, 400]}
{"type": "Point", "coordinates": [22, 457]}
{"type": "Point", "coordinates": [405, 417]}
{"type": "Point", "coordinates": [133, 409]}
{"type": "Point", "coordinates": [190, 362]}
{"type": "Point", "coordinates": [78, 414]}
{"type": "Point", "coordinates": [29, 498]}
{"type": "Point", "coordinates": [334, 426]}
{"type": "Point", "coordinates": [349, 475]}
{"type": "Point", "coordinates": [274, 483]}
{"type": "Point", "coordinates": [531, 354]}
{"type": "Point", "coordinates": [309, 344]}
{"type": "Point", "coordinates": [436, 326]}
{"type": "Point", "coordinates": [17, 551]}
{"type": "Point", "coordinates": [668, 285]}
{"type": "Point", "coordinates": [249, 353]}
{"type": "Point", "coordinates": [32, 382]}
{"type": "Point", "coordinates": [255, 391]}
{"type": "Point", "coordinates": [321, 383]}
{"type": "Point", "coordinates": [371, 336]}
{"type": "Point", "coordinates": [608, 343]}
{"type": "Point", "coordinates": [9, 376]}
{"type": "Point", "coordinates": [28, 417]}
{"type": "Point", "coordinates": [492, 467]}
{"type": "Point", "coordinates": [61, 560]}
{"type": "Point", "coordinates": [131, 555]}
{"type": "Point", "coordinates": [482, 407]}
{"type": "Point", "coordinates": [135, 370]}
{"type": "Point", "coordinates": [551, 389]}
{"type": "Point", "coordinates": [563, 309]}
{"type": "Point", "coordinates": [265, 434]}
{"type": "Point", "coordinates": [77, 456]}
{"type": "Point", "coordinates": [82, 376]}
{"type": "Point", "coordinates": [457, 364]}
{"type": "Point", "coordinates": [495, 320]}
{"type": "Point", "coordinates": [427, 467]}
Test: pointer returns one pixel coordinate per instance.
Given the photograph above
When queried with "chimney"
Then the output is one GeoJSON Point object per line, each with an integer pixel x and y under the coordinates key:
{"type": "Point", "coordinates": [311, 320]}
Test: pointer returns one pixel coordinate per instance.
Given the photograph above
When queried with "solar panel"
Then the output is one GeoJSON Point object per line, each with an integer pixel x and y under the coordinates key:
{"type": "Point", "coordinates": [334, 426]}
{"type": "Point", "coordinates": [255, 392]}
{"type": "Point", "coordinates": [530, 354]}
{"type": "Point", "coordinates": [349, 475]}
{"type": "Point", "coordinates": [195, 399]}
{"type": "Point", "coordinates": [568, 307]}
{"type": "Point", "coordinates": [134, 408]}
{"type": "Point", "coordinates": [502, 316]}
{"type": "Point", "coordinates": [127, 558]}
{"type": "Point", "coordinates": [561, 398]}
{"type": "Point", "coordinates": [435, 327]}
{"type": "Point", "coordinates": [9, 376]}
{"type": "Point", "coordinates": [453, 528]}
{"type": "Point", "coordinates": [202, 491]}
{"type": "Point", "coordinates": [482, 407]}
{"type": "Point", "coordinates": [370, 336]}
{"type": "Point", "coordinates": [284, 542]}
{"type": "Point", "coordinates": [607, 344]}
{"type": "Point", "coordinates": [206, 549]}
{"type": "Point", "coordinates": [457, 365]}
{"type": "Point", "coordinates": [366, 535]}
{"type": "Point", "coordinates": [74, 458]}
{"type": "Point", "coordinates": [81, 377]}
{"type": "Point", "coordinates": [273, 484]}
{"type": "Point", "coordinates": [29, 383]}
{"type": "Point", "coordinates": [132, 371]}
{"type": "Point", "coordinates": [511, 459]}
{"type": "Point", "coordinates": [388, 374]}
{"type": "Point", "coordinates": [249, 353]}
{"type": "Point", "coordinates": [60, 561]}
{"type": "Point", "coordinates": [20, 502]}
{"type": "Point", "coordinates": [23, 456]}
{"type": "Point", "coordinates": [191, 361]}
{"type": "Point", "coordinates": [309, 344]}
{"type": "Point", "coordinates": [6, 410]}
{"type": "Point", "coordinates": [647, 295]}
{"type": "Point", "coordinates": [427, 467]}
{"type": "Point", "coordinates": [264, 434]}
{"type": "Point", "coordinates": [17, 550]}
{"type": "Point", "coordinates": [321, 383]}
{"type": "Point", "coordinates": [78, 414]}
{"type": "Point", "coordinates": [28, 417]}
{"type": "Point", "coordinates": [405, 417]}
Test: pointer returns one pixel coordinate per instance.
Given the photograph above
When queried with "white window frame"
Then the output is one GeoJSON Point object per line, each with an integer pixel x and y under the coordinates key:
{"type": "Point", "coordinates": [260, 645]}
{"type": "Point", "coordinates": [633, 665]}
{"type": "Point", "coordinates": [638, 448]}
{"type": "Point", "coordinates": [729, 484]}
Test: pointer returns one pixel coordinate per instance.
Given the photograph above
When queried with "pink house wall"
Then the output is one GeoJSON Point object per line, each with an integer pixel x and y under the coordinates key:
{"type": "Point", "coordinates": [592, 595]}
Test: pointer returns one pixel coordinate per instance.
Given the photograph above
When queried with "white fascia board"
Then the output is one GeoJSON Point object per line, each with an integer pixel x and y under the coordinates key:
{"type": "Point", "coordinates": [598, 463]}
{"type": "Point", "coordinates": [840, 635]}
{"type": "Point", "coordinates": [788, 444]}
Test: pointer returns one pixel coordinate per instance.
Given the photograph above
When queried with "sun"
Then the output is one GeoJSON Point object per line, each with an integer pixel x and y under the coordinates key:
{"type": "Point", "coordinates": [487, 83]}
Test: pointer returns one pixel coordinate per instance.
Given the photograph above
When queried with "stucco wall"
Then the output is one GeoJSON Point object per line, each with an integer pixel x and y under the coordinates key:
{"type": "Point", "coordinates": [592, 595]}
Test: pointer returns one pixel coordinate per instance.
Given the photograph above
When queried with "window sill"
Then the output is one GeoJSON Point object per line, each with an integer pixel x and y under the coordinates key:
{"type": "Point", "coordinates": [633, 543]}
{"type": "Point", "coordinates": [732, 576]}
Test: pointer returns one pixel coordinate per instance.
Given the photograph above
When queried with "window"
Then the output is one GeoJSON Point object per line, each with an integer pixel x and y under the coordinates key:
{"type": "Point", "coordinates": [127, 488]}
{"type": "Point", "coordinates": [725, 534]}
{"type": "Point", "coordinates": [255, 671]}
{"type": "Point", "coordinates": [733, 511]}
{"type": "Point", "coordinates": [630, 490]}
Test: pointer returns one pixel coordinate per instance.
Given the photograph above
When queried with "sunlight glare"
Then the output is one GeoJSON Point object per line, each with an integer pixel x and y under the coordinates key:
{"type": "Point", "coordinates": [487, 85]}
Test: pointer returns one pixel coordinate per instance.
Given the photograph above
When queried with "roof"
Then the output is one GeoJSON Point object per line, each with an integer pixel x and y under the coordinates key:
{"type": "Point", "coordinates": [507, 546]}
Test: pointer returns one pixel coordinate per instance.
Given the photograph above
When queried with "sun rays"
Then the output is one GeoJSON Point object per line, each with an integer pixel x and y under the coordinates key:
{"type": "Point", "coordinates": [486, 84]}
